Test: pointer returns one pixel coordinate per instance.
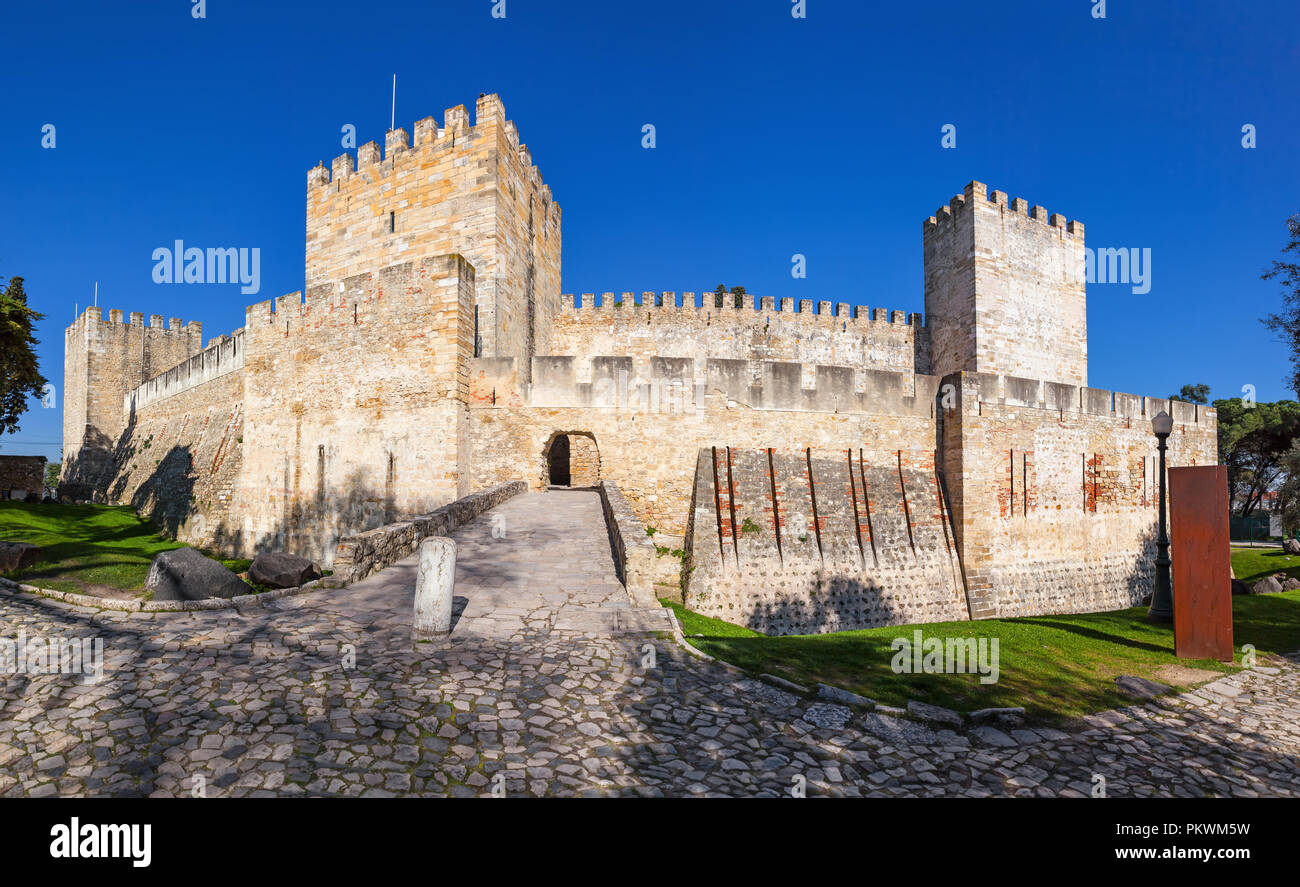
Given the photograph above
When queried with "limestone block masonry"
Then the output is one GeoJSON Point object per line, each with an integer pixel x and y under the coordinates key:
{"type": "Point", "coordinates": [795, 465]}
{"type": "Point", "coordinates": [25, 474]}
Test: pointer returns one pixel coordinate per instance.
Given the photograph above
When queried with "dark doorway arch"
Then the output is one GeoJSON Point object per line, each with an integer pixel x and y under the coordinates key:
{"type": "Point", "coordinates": [557, 462]}
{"type": "Point", "coordinates": [571, 459]}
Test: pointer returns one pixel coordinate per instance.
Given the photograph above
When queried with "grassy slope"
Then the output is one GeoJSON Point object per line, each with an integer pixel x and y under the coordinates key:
{"type": "Point", "coordinates": [90, 545]}
{"type": "Point", "coordinates": [1057, 667]}
{"type": "Point", "coordinates": [84, 545]}
{"type": "Point", "coordinates": [1253, 564]}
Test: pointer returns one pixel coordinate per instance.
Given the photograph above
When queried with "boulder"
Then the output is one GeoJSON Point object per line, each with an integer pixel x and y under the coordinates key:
{"type": "Point", "coordinates": [281, 570]}
{"type": "Point", "coordinates": [1267, 585]}
{"type": "Point", "coordinates": [186, 575]}
{"type": "Point", "coordinates": [1140, 688]}
{"type": "Point", "coordinates": [1289, 584]}
{"type": "Point", "coordinates": [18, 555]}
{"type": "Point", "coordinates": [1291, 546]}
{"type": "Point", "coordinates": [1241, 586]}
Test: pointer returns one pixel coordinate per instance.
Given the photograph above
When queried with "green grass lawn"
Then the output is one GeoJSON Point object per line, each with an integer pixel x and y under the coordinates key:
{"type": "Point", "coordinates": [91, 549]}
{"type": "Point", "coordinates": [1253, 564]}
{"type": "Point", "coordinates": [1057, 667]}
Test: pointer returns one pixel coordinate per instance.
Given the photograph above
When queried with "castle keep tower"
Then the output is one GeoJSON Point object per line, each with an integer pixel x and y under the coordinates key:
{"type": "Point", "coordinates": [102, 361]}
{"type": "Point", "coordinates": [458, 189]}
{"type": "Point", "coordinates": [1004, 289]}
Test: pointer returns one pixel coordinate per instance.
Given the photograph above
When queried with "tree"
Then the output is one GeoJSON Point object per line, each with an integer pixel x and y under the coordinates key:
{"type": "Point", "coordinates": [1289, 493]}
{"type": "Point", "coordinates": [52, 470]}
{"type": "Point", "coordinates": [1286, 323]}
{"type": "Point", "coordinates": [737, 293]}
{"type": "Point", "coordinates": [20, 378]}
{"type": "Point", "coordinates": [1198, 393]}
{"type": "Point", "coordinates": [1252, 441]}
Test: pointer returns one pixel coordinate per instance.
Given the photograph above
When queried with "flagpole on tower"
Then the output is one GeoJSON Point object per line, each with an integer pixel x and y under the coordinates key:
{"type": "Point", "coordinates": [392, 120]}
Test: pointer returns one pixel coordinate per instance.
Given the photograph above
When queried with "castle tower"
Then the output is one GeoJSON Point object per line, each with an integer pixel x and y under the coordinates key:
{"type": "Point", "coordinates": [457, 189]}
{"type": "Point", "coordinates": [102, 361]}
{"type": "Point", "coordinates": [1004, 289]}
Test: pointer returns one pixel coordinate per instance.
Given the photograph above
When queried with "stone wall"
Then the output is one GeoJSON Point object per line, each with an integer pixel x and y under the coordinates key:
{"type": "Point", "coordinates": [25, 474]}
{"type": "Point", "coordinates": [178, 459]}
{"type": "Point", "coordinates": [458, 189]}
{"type": "Point", "coordinates": [1004, 289]}
{"type": "Point", "coordinates": [661, 326]}
{"type": "Point", "coordinates": [356, 408]}
{"type": "Point", "coordinates": [802, 542]}
{"type": "Point", "coordinates": [1055, 488]}
{"type": "Point", "coordinates": [103, 361]}
{"type": "Point", "coordinates": [648, 435]}
{"type": "Point", "coordinates": [640, 566]}
{"type": "Point", "coordinates": [360, 555]}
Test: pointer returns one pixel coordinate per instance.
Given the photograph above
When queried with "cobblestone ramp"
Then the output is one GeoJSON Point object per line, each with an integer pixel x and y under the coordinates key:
{"type": "Point", "coordinates": [537, 562]}
{"type": "Point", "coordinates": [323, 694]}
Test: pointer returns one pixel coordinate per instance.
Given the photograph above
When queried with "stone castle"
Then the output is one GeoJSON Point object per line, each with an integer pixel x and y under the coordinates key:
{"type": "Point", "coordinates": [799, 466]}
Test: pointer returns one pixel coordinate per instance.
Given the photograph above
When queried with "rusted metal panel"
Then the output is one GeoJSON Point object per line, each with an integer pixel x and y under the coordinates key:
{"type": "Point", "coordinates": [1198, 530]}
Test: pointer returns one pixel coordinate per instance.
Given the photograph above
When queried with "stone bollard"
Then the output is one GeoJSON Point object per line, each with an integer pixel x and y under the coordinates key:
{"type": "Point", "coordinates": [433, 587]}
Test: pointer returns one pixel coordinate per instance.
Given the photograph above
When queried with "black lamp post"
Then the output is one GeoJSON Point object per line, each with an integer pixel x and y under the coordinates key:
{"type": "Point", "coordinates": [1162, 599]}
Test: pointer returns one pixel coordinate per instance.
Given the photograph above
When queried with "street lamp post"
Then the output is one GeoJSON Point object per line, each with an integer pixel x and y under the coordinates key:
{"type": "Point", "coordinates": [1162, 599]}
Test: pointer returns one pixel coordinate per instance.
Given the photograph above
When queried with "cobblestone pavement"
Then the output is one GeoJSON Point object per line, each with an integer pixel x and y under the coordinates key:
{"type": "Point", "coordinates": [544, 690]}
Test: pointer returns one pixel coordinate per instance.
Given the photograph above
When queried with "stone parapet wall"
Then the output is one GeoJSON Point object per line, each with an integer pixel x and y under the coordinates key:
{"type": "Point", "coordinates": [223, 355]}
{"type": "Point", "coordinates": [665, 386]}
{"type": "Point", "coordinates": [361, 554]}
{"type": "Point", "coordinates": [640, 566]}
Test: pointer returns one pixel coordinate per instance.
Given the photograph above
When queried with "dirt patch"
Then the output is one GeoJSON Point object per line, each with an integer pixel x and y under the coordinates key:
{"type": "Point", "coordinates": [94, 589]}
{"type": "Point", "coordinates": [1182, 676]}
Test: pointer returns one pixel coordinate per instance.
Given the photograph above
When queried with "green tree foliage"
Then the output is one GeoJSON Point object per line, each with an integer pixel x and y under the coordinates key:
{"type": "Point", "coordinates": [737, 293]}
{"type": "Point", "coordinates": [1289, 492]}
{"type": "Point", "coordinates": [52, 475]}
{"type": "Point", "coordinates": [20, 379]}
{"type": "Point", "coordinates": [1286, 323]}
{"type": "Point", "coordinates": [1253, 438]}
{"type": "Point", "coordinates": [1198, 393]}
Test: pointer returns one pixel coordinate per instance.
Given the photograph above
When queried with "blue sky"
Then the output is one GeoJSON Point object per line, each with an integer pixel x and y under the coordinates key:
{"type": "Point", "coordinates": [776, 136]}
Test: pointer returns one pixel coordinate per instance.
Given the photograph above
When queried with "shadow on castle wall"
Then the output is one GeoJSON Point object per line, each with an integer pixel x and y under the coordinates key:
{"type": "Point", "coordinates": [87, 472]}
{"type": "Point", "coordinates": [186, 505]}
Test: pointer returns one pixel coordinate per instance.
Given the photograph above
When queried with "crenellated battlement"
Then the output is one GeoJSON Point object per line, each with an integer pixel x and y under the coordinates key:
{"type": "Point", "coordinates": [704, 303]}
{"type": "Point", "coordinates": [453, 186]}
{"type": "Point", "coordinates": [977, 193]}
{"type": "Point", "coordinates": [92, 320]}
{"type": "Point", "coordinates": [372, 166]}
{"type": "Point", "coordinates": [386, 295]}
